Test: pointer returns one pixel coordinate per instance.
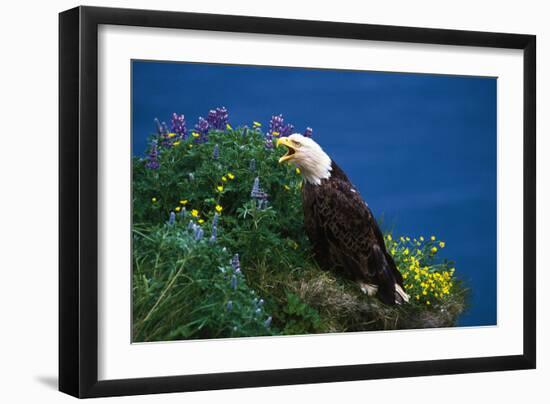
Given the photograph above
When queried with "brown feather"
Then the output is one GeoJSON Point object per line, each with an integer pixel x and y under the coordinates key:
{"type": "Point", "coordinates": [345, 235]}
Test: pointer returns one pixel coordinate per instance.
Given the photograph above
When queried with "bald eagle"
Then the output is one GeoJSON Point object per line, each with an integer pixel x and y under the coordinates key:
{"type": "Point", "coordinates": [338, 222]}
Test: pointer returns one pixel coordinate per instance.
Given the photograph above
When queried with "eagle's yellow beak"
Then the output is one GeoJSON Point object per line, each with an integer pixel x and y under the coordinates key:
{"type": "Point", "coordinates": [291, 150]}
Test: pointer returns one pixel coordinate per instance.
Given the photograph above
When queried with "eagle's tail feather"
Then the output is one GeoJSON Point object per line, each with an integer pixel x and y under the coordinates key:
{"type": "Point", "coordinates": [400, 295]}
{"type": "Point", "coordinates": [390, 290]}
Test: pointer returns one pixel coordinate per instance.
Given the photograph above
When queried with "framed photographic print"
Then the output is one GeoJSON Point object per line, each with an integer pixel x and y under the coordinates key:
{"type": "Point", "coordinates": [252, 201]}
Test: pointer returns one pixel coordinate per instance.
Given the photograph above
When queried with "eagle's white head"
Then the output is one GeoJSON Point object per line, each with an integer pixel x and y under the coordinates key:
{"type": "Point", "coordinates": [309, 157]}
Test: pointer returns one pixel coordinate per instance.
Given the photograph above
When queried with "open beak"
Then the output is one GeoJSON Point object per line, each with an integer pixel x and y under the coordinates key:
{"type": "Point", "coordinates": [291, 150]}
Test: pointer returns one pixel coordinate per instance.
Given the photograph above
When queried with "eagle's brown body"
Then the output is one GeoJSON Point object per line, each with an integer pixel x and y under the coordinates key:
{"type": "Point", "coordinates": [345, 235]}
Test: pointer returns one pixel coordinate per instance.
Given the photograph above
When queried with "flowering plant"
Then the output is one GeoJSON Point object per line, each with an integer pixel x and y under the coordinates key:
{"type": "Point", "coordinates": [202, 196]}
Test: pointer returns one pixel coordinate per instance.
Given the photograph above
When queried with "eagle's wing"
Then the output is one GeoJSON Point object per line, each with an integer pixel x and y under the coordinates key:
{"type": "Point", "coordinates": [353, 241]}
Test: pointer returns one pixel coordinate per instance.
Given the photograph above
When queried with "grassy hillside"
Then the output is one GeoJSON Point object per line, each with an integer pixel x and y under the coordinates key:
{"type": "Point", "coordinates": [219, 248]}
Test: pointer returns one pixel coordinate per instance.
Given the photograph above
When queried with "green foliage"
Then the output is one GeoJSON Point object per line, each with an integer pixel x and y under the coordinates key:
{"type": "Point", "coordinates": [183, 282]}
{"type": "Point", "coordinates": [186, 288]}
{"type": "Point", "coordinates": [299, 317]}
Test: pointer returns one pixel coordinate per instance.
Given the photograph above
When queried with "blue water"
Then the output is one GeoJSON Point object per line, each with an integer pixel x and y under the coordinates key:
{"type": "Point", "coordinates": [420, 148]}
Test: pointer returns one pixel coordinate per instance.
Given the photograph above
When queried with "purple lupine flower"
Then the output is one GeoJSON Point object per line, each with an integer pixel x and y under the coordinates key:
{"type": "Point", "coordinates": [152, 161]}
{"type": "Point", "coordinates": [216, 152]}
{"type": "Point", "coordinates": [255, 187]}
{"type": "Point", "coordinates": [214, 234]}
{"type": "Point", "coordinates": [308, 132]}
{"type": "Point", "coordinates": [183, 212]}
{"type": "Point", "coordinates": [235, 262]}
{"type": "Point", "coordinates": [199, 232]}
{"type": "Point", "coordinates": [191, 225]}
{"type": "Point", "coordinates": [178, 126]}
{"type": "Point", "coordinates": [287, 130]}
{"type": "Point", "coordinates": [267, 322]}
{"type": "Point", "coordinates": [202, 128]}
{"type": "Point", "coordinates": [234, 282]}
{"type": "Point", "coordinates": [261, 302]}
{"type": "Point", "coordinates": [252, 165]}
{"type": "Point", "coordinates": [256, 192]}
{"type": "Point", "coordinates": [245, 131]}
{"type": "Point", "coordinates": [172, 219]}
{"type": "Point", "coordinates": [162, 132]}
{"type": "Point", "coordinates": [229, 305]}
{"type": "Point", "coordinates": [166, 139]}
{"type": "Point", "coordinates": [158, 126]}
{"type": "Point", "coordinates": [258, 310]}
{"type": "Point", "coordinates": [268, 141]}
{"type": "Point", "coordinates": [191, 176]}
{"type": "Point", "coordinates": [215, 220]}
{"type": "Point", "coordinates": [218, 118]}
{"type": "Point", "coordinates": [277, 126]}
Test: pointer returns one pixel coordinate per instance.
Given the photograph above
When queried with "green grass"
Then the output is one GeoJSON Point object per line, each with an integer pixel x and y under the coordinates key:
{"type": "Point", "coordinates": [185, 287]}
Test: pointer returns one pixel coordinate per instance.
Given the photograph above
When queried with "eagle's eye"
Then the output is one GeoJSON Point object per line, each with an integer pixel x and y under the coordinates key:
{"type": "Point", "coordinates": [295, 143]}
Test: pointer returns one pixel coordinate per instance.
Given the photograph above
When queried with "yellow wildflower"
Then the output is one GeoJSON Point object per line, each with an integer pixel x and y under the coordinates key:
{"type": "Point", "coordinates": [298, 170]}
{"type": "Point", "coordinates": [441, 244]}
{"type": "Point", "coordinates": [219, 188]}
{"type": "Point", "coordinates": [433, 250]}
{"type": "Point", "coordinates": [421, 238]}
{"type": "Point", "coordinates": [153, 199]}
{"type": "Point", "coordinates": [389, 237]}
{"type": "Point", "coordinates": [432, 238]}
{"type": "Point", "coordinates": [406, 252]}
{"type": "Point", "coordinates": [200, 221]}
{"type": "Point", "coordinates": [275, 134]}
{"type": "Point", "coordinates": [219, 208]}
{"type": "Point", "coordinates": [224, 178]}
{"type": "Point", "coordinates": [190, 145]}
{"type": "Point", "coordinates": [171, 135]}
{"type": "Point", "coordinates": [178, 208]}
{"type": "Point", "coordinates": [195, 134]}
{"type": "Point", "coordinates": [287, 187]}
{"type": "Point", "coordinates": [184, 201]}
{"type": "Point", "coordinates": [228, 127]}
{"type": "Point", "coordinates": [231, 176]}
{"type": "Point", "coordinates": [195, 213]}
{"type": "Point", "coordinates": [176, 143]}
{"type": "Point", "coordinates": [428, 303]}
{"type": "Point", "coordinates": [256, 124]}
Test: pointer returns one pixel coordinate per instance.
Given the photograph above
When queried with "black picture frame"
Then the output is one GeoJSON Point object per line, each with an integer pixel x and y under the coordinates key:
{"type": "Point", "coordinates": [78, 196]}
